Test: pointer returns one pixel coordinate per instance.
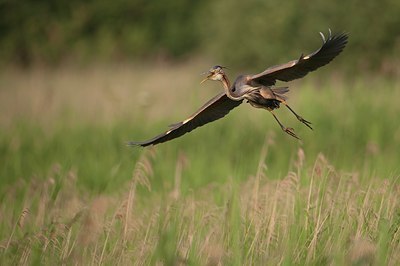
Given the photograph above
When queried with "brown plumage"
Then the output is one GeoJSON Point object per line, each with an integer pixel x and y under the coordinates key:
{"type": "Point", "coordinates": [257, 90]}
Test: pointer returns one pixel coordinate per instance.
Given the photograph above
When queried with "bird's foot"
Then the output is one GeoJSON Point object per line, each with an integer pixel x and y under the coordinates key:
{"type": "Point", "coordinates": [305, 122]}
{"type": "Point", "coordinates": [290, 131]}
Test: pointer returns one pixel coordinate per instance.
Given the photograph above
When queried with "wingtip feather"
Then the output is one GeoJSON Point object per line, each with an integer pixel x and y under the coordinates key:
{"type": "Point", "coordinates": [134, 144]}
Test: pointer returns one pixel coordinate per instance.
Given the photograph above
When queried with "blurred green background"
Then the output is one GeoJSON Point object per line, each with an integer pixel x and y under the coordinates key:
{"type": "Point", "coordinates": [251, 33]}
{"type": "Point", "coordinates": [128, 68]}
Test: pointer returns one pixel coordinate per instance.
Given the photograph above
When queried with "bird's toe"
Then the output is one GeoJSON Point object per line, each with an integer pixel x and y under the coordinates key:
{"type": "Point", "coordinates": [290, 131]}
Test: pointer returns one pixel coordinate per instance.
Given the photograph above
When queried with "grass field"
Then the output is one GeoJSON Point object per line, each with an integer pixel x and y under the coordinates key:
{"type": "Point", "coordinates": [237, 191]}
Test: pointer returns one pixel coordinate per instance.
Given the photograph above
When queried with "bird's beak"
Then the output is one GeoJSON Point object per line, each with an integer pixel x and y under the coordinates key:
{"type": "Point", "coordinates": [204, 80]}
{"type": "Point", "coordinates": [207, 78]}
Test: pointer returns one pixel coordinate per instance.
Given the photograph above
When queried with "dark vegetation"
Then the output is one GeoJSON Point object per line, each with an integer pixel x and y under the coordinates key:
{"type": "Point", "coordinates": [241, 33]}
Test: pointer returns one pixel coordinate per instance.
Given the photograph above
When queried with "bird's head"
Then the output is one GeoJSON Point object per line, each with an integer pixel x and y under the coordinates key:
{"type": "Point", "coordinates": [215, 73]}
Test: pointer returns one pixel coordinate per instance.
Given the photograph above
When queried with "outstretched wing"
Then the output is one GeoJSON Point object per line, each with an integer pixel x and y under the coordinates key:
{"type": "Point", "coordinates": [295, 69]}
{"type": "Point", "coordinates": [214, 109]}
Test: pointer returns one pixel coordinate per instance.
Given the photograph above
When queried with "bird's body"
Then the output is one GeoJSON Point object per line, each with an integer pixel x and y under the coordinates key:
{"type": "Point", "coordinates": [267, 98]}
{"type": "Point", "coordinates": [258, 90]}
{"type": "Point", "coordinates": [257, 95]}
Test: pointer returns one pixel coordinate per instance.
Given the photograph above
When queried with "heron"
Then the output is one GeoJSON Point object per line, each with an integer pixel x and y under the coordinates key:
{"type": "Point", "coordinates": [259, 90]}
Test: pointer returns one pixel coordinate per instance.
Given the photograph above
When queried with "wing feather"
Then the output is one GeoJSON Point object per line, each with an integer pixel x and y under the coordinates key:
{"type": "Point", "coordinates": [331, 47]}
{"type": "Point", "coordinates": [214, 109]}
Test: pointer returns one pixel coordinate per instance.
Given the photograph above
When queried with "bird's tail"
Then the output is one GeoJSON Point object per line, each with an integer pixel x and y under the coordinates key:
{"type": "Point", "coordinates": [280, 91]}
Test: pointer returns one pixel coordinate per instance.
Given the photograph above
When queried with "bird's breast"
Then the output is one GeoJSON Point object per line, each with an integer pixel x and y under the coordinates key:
{"type": "Point", "coordinates": [242, 90]}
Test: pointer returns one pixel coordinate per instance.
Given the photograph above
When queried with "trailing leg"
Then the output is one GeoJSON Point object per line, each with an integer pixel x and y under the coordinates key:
{"type": "Point", "coordinates": [301, 119]}
{"type": "Point", "coordinates": [288, 130]}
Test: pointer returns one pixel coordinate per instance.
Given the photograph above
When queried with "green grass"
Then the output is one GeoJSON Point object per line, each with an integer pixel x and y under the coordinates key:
{"type": "Point", "coordinates": [237, 191]}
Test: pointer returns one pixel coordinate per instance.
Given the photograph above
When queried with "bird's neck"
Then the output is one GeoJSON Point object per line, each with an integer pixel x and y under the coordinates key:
{"type": "Point", "coordinates": [227, 87]}
{"type": "Point", "coordinates": [226, 83]}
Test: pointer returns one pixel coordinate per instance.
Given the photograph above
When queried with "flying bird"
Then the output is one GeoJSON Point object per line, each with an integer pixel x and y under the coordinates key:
{"type": "Point", "coordinates": [258, 90]}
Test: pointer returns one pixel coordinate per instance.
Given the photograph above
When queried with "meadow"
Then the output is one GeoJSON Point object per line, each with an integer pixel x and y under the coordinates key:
{"type": "Point", "coordinates": [238, 191]}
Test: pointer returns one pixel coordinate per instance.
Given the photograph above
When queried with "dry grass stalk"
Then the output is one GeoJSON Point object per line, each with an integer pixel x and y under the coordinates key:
{"type": "Point", "coordinates": [22, 217]}
{"type": "Point", "coordinates": [181, 163]}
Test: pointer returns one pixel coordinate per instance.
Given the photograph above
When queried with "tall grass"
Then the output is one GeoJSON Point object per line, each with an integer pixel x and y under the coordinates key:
{"type": "Point", "coordinates": [314, 215]}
